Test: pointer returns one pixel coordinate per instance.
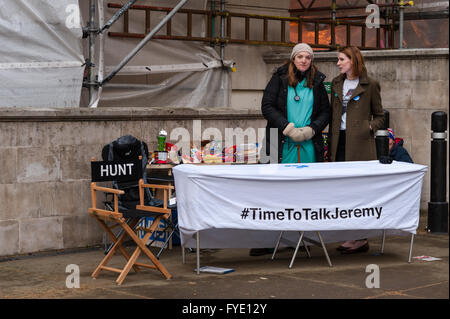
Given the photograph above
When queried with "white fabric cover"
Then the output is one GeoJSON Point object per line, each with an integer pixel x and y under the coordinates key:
{"type": "Point", "coordinates": [136, 86]}
{"type": "Point", "coordinates": [43, 55]}
{"type": "Point", "coordinates": [41, 64]}
{"type": "Point", "coordinates": [211, 199]}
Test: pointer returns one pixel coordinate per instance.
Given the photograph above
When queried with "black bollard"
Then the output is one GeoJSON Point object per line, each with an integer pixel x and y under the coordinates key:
{"type": "Point", "coordinates": [386, 119]}
{"type": "Point", "coordinates": [438, 206]}
{"type": "Point", "coordinates": [382, 137]}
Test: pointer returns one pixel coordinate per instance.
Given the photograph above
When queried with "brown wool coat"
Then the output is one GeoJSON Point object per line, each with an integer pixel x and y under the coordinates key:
{"type": "Point", "coordinates": [361, 114]}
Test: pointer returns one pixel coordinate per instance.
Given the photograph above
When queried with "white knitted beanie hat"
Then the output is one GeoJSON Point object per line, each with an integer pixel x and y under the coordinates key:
{"type": "Point", "coordinates": [301, 47]}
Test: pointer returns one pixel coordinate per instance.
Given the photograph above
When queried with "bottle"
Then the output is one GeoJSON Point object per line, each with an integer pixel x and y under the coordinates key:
{"type": "Point", "coordinates": [162, 141]}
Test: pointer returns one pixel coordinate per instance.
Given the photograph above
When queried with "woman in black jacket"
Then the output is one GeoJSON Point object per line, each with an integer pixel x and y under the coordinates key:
{"type": "Point", "coordinates": [296, 107]}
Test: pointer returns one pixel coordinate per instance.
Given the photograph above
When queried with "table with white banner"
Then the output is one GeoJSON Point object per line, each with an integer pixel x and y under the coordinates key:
{"type": "Point", "coordinates": [247, 206]}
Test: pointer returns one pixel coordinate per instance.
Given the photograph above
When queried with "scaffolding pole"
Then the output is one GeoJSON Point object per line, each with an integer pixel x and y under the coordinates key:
{"type": "Point", "coordinates": [93, 101]}
{"type": "Point", "coordinates": [401, 18]}
{"type": "Point", "coordinates": [143, 42]}
{"type": "Point", "coordinates": [92, 32]}
{"type": "Point", "coordinates": [333, 25]}
{"type": "Point", "coordinates": [222, 29]}
{"type": "Point", "coordinates": [213, 21]}
{"type": "Point", "coordinates": [117, 15]}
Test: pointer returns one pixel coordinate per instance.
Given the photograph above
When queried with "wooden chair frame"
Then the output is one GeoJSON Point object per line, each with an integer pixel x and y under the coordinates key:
{"type": "Point", "coordinates": [116, 216]}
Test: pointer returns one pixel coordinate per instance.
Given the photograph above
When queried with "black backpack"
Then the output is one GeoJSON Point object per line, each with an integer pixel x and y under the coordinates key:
{"type": "Point", "coordinates": [126, 148]}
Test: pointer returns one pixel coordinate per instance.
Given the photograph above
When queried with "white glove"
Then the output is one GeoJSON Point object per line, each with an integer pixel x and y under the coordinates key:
{"type": "Point", "coordinates": [298, 134]}
{"type": "Point", "coordinates": [308, 132]}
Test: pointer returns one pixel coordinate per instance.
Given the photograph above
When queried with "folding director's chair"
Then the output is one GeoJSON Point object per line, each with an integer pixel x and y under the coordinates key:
{"type": "Point", "coordinates": [127, 215]}
{"type": "Point", "coordinates": [127, 148]}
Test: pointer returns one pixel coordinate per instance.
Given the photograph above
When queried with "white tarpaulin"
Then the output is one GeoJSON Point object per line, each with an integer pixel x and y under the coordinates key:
{"type": "Point", "coordinates": [41, 54]}
{"type": "Point", "coordinates": [247, 205]}
{"type": "Point", "coordinates": [164, 72]}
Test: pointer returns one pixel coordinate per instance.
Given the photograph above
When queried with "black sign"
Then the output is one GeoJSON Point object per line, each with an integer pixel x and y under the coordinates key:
{"type": "Point", "coordinates": [120, 171]}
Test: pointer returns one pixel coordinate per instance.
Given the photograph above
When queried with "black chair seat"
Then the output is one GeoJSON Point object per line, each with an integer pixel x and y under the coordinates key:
{"type": "Point", "coordinates": [133, 213]}
{"type": "Point", "coordinates": [128, 209]}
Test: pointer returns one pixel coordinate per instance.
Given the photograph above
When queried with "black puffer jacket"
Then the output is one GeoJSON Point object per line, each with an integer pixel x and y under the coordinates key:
{"type": "Point", "coordinates": [274, 110]}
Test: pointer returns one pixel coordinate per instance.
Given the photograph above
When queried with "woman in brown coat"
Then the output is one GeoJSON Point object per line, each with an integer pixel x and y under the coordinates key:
{"type": "Point", "coordinates": [357, 112]}
{"type": "Point", "coordinates": [356, 115]}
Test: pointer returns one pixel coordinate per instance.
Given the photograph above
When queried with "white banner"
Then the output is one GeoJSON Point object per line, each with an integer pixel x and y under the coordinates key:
{"type": "Point", "coordinates": [326, 197]}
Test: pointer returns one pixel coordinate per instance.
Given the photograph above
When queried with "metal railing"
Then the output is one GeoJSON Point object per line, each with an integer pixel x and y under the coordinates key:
{"type": "Point", "coordinates": [248, 19]}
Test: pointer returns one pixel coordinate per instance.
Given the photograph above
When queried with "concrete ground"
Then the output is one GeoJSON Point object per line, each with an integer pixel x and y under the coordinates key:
{"type": "Point", "coordinates": [44, 275]}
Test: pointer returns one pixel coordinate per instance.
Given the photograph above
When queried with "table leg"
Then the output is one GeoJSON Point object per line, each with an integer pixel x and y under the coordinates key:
{"type": "Point", "coordinates": [324, 249]}
{"type": "Point", "coordinates": [411, 248]}
{"type": "Point", "coordinates": [296, 249]}
{"type": "Point", "coordinates": [277, 245]}
{"type": "Point", "coordinates": [198, 252]}
{"type": "Point", "coordinates": [183, 254]}
{"type": "Point", "coordinates": [382, 241]}
{"type": "Point", "coordinates": [306, 248]}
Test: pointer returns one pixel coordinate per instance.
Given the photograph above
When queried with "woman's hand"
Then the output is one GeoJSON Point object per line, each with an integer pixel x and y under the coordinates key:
{"type": "Point", "coordinates": [298, 134]}
{"type": "Point", "coordinates": [308, 132]}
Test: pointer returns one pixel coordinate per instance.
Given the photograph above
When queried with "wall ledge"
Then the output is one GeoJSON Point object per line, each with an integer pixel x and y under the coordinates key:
{"type": "Point", "coordinates": [13, 114]}
{"type": "Point", "coordinates": [404, 54]}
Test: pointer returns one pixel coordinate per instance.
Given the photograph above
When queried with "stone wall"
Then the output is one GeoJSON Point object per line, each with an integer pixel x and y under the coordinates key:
{"type": "Point", "coordinates": [45, 176]}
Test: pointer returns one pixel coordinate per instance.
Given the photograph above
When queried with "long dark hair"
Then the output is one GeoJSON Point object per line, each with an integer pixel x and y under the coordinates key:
{"type": "Point", "coordinates": [293, 80]}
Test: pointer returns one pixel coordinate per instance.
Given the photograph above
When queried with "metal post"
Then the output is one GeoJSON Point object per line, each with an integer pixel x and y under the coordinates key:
{"type": "Point", "coordinates": [306, 249]}
{"type": "Point", "coordinates": [213, 22]}
{"type": "Point", "coordinates": [394, 11]}
{"type": "Point", "coordinates": [333, 10]}
{"type": "Point", "coordinates": [92, 34]}
{"type": "Point", "coordinates": [324, 249]}
{"type": "Point", "coordinates": [333, 25]}
{"type": "Point", "coordinates": [438, 206]}
{"type": "Point", "coordinates": [296, 249]}
{"type": "Point", "coordinates": [222, 29]}
{"type": "Point", "coordinates": [183, 254]}
{"type": "Point", "coordinates": [411, 248]}
{"type": "Point", "coordinates": [277, 245]}
{"type": "Point", "coordinates": [382, 137]}
{"type": "Point", "coordinates": [197, 237]}
{"type": "Point", "coordinates": [401, 15]}
{"type": "Point", "coordinates": [386, 31]}
{"type": "Point", "coordinates": [144, 41]}
{"type": "Point", "coordinates": [382, 241]}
